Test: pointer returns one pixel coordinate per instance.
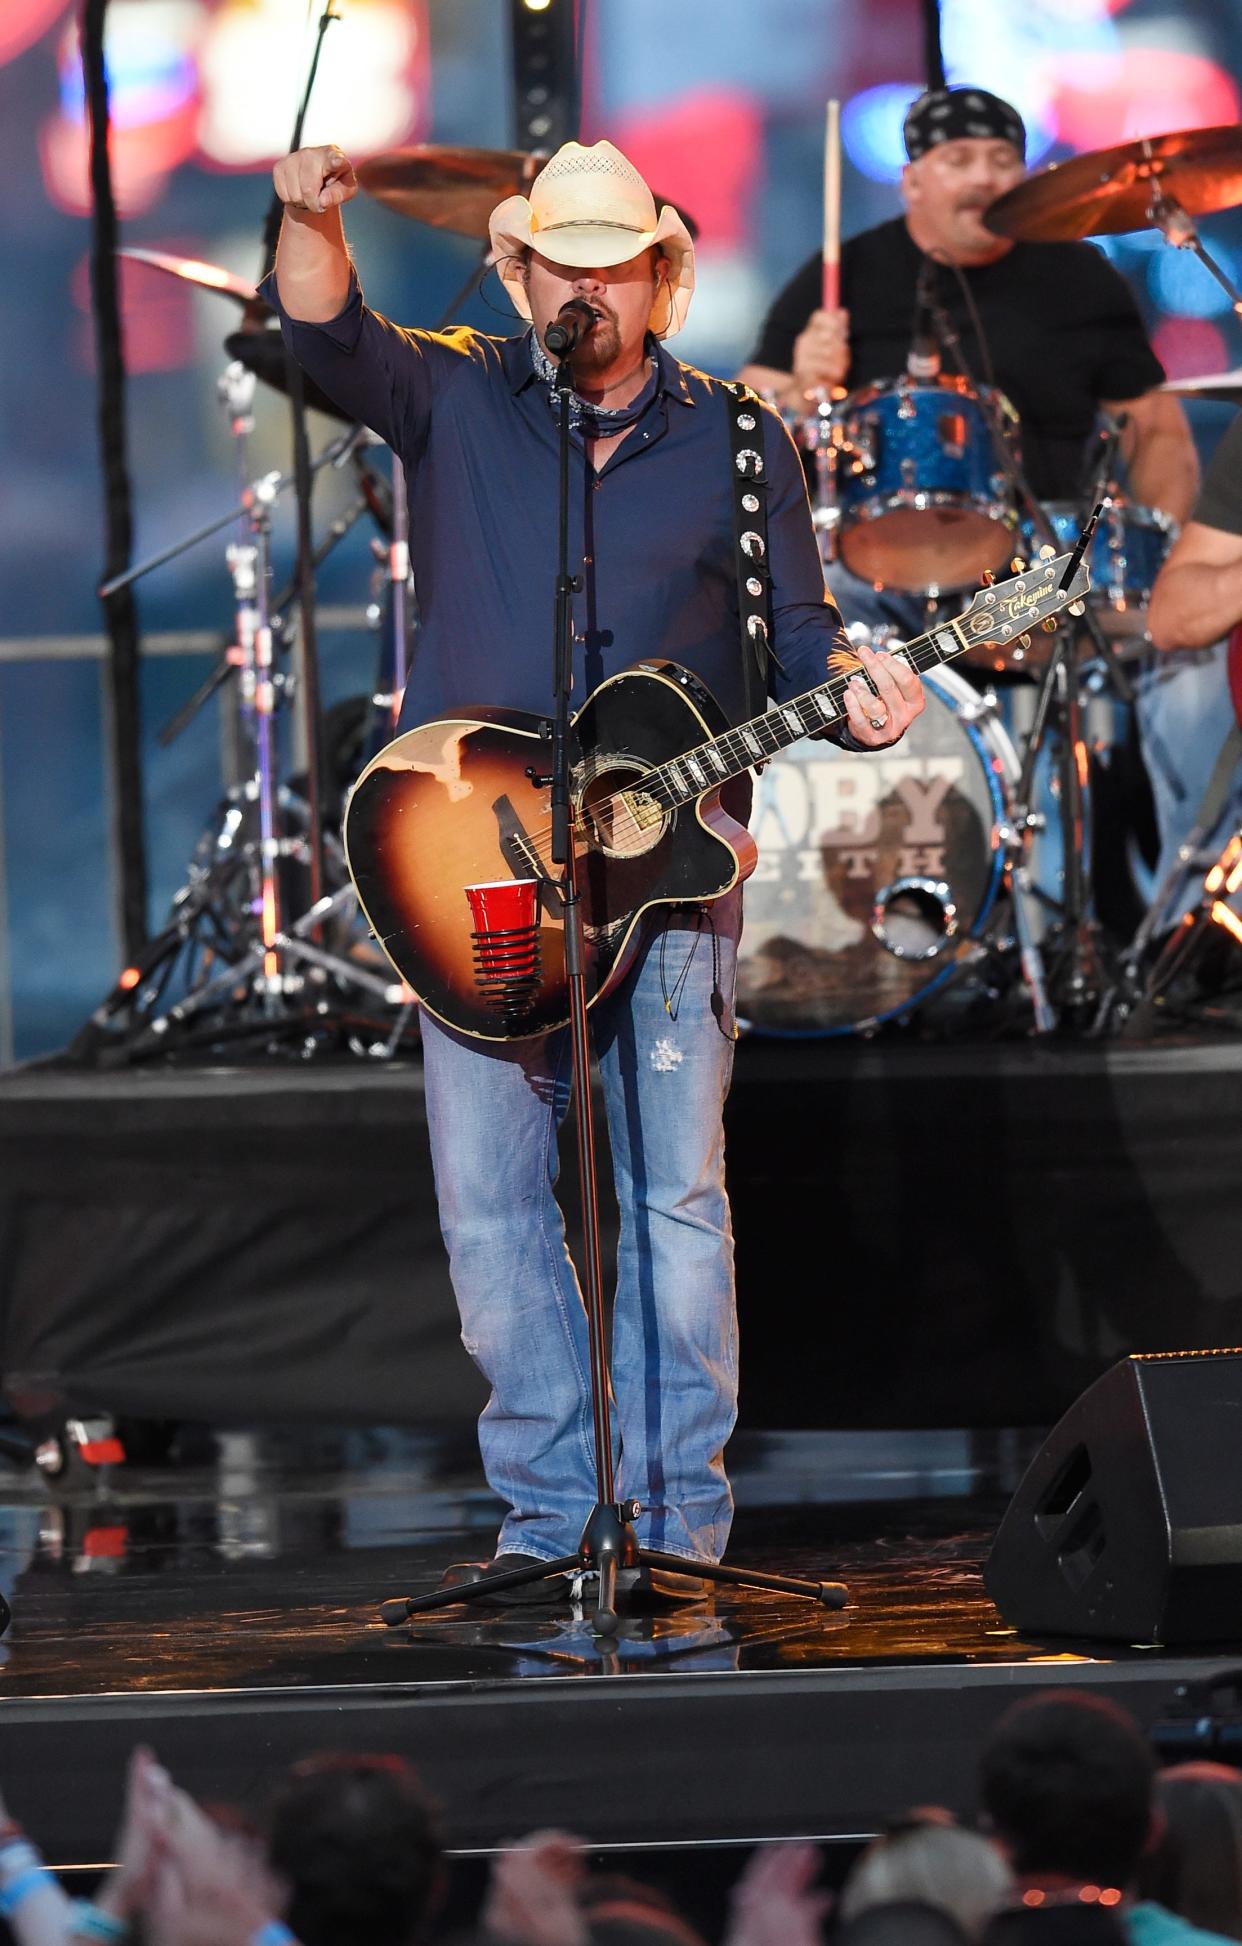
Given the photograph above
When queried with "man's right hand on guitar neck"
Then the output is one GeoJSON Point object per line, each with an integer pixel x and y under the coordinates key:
{"type": "Point", "coordinates": [312, 261]}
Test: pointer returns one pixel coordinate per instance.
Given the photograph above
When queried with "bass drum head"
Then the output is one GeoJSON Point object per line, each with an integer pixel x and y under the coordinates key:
{"type": "Point", "coordinates": [872, 869]}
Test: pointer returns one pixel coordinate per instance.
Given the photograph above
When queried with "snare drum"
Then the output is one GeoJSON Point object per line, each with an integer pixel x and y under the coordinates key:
{"type": "Point", "coordinates": [872, 874]}
{"type": "Point", "coordinates": [1126, 554]}
{"type": "Point", "coordinates": [925, 506]}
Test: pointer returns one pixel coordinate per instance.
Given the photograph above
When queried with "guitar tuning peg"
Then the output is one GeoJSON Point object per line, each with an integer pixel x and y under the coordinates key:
{"type": "Point", "coordinates": [1047, 553]}
{"type": "Point", "coordinates": [1078, 608]}
{"type": "Point", "coordinates": [1017, 565]}
{"type": "Point", "coordinates": [1049, 624]}
{"type": "Point", "coordinates": [1025, 641]}
{"type": "Point", "coordinates": [987, 577]}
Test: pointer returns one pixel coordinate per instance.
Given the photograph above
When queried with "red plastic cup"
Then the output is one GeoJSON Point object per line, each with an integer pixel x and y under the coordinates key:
{"type": "Point", "coordinates": [503, 905]}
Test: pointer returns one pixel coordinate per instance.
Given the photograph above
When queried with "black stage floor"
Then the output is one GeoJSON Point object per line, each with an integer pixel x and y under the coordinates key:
{"type": "Point", "coordinates": [223, 1609]}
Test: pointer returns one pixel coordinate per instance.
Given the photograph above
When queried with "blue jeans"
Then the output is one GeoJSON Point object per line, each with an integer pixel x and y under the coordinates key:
{"type": "Point", "coordinates": [1184, 715]}
{"type": "Point", "coordinates": [493, 1112]}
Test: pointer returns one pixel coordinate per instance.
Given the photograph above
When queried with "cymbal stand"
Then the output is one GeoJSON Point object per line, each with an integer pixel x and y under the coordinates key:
{"type": "Point", "coordinates": [823, 436]}
{"type": "Point", "coordinates": [272, 979]}
{"type": "Point", "coordinates": [1177, 227]}
{"type": "Point", "coordinates": [608, 1543]}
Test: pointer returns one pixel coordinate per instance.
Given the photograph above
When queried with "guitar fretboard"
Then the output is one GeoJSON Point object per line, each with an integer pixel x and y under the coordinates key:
{"type": "Point", "coordinates": [726, 756]}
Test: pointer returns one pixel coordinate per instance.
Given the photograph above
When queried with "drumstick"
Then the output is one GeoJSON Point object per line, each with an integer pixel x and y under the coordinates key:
{"type": "Point", "coordinates": [831, 288]}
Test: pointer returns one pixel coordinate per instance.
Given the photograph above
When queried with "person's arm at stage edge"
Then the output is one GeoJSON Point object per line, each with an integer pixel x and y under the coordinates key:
{"type": "Point", "coordinates": [313, 272]}
{"type": "Point", "coordinates": [1159, 452]}
{"type": "Point", "coordinates": [1198, 593]}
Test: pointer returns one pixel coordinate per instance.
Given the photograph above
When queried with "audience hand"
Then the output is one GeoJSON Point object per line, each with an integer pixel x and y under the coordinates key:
{"type": "Point", "coordinates": [774, 1904]}
{"type": "Point", "coordinates": [144, 1826]}
{"type": "Point", "coordinates": [211, 1888]}
{"type": "Point", "coordinates": [532, 1898]}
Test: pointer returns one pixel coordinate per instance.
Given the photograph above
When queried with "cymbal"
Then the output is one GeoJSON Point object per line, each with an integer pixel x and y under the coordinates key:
{"type": "Point", "coordinates": [1226, 386]}
{"type": "Point", "coordinates": [208, 277]}
{"type": "Point", "coordinates": [452, 189]}
{"type": "Point", "coordinates": [263, 353]}
{"type": "Point", "coordinates": [1108, 191]}
{"type": "Point", "coordinates": [457, 189]}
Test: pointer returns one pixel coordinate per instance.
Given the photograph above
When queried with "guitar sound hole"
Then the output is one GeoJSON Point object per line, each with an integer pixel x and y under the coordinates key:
{"type": "Point", "coordinates": [622, 821]}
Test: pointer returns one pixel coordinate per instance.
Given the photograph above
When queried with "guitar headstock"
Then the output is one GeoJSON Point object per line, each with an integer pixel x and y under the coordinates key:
{"type": "Point", "coordinates": [1007, 609]}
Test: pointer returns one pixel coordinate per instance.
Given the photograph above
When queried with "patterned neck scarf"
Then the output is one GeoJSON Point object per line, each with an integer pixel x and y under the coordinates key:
{"type": "Point", "coordinates": [594, 421]}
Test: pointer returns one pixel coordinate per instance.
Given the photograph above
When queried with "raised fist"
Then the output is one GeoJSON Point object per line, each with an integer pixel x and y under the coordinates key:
{"type": "Point", "coordinates": [315, 179]}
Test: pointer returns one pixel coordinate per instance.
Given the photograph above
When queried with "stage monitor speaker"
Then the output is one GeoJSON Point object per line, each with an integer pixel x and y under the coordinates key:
{"type": "Point", "coordinates": [1127, 1526]}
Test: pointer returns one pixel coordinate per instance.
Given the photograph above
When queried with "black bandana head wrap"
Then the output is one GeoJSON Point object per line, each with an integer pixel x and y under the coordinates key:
{"type": "Point", "coordinates": [950, 114]}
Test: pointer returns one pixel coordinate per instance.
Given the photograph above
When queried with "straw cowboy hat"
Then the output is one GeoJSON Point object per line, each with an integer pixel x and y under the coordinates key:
{"type": "Point", "coordinates": [590, 207]}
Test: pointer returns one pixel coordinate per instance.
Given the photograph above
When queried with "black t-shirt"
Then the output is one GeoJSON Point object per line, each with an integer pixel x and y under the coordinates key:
{"type": "Point", "coordinates": [1220, 499]}
{"type": "Point", "coordinates": [1060, 323]}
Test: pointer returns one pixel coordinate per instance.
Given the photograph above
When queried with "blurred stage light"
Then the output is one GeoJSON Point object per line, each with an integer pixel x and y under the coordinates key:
{"type": "Point", "coordinates": [1178, 282]}
{"type": "Point", "coordinates": [371, 92]}
{"type": "Point", "coordinates": [871, 129]}
{"type": "Point", "coordinates": [1103, 99]}
{"type": "Point", "coordinates": [153, 101]}
{"type": "Point", "coordinates": [1190, 347]}
{"type": "Point", "coordinates": [22, 22]}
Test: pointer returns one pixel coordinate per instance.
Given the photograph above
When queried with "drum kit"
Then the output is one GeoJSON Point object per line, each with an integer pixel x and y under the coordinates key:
{"type": "Point", "coordinates": [913, 887]}
{"type": "Point", "coordinates": [928, 869]}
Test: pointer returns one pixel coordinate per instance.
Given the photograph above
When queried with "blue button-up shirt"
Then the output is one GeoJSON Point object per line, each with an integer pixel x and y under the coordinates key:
{"type": "Point", "coordinates": [651, 534]}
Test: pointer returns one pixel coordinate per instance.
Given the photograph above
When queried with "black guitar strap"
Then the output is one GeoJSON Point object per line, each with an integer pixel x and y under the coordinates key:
{"type": "Point", "coordinates": [750, 543]}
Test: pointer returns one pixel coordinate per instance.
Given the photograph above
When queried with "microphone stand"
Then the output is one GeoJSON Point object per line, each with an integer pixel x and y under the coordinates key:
{"type": "Point", "coordinates": [608, 1543]}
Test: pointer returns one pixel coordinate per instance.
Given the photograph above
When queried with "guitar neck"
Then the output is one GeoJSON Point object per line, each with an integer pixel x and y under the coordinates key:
{"type": "Point", "coordinates": [763, 736]}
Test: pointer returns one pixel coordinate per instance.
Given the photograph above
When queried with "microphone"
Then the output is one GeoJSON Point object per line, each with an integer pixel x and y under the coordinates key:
{"type": "Point", "coordinates": [923, 358]}
{"type": "Point", "coordinates": [569, 328]}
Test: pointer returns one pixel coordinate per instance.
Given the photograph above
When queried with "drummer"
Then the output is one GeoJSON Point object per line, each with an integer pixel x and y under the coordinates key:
{"type": "Point", "coordinates": [1053, 323]}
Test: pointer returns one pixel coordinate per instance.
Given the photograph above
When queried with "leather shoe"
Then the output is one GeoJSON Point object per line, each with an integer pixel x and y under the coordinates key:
{"type": "Point", "coordinates": [528, 1594]}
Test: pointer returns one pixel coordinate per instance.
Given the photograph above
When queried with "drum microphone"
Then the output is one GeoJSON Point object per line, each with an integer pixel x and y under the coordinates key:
{"type": "Point", "coordinates": [569, 327]}
{"type": "Point", "coordinates": [923, 358]}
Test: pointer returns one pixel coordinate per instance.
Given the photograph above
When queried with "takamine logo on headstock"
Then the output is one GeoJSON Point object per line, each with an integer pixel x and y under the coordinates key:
{"type": "Point", "coordinates": [1010, 607]}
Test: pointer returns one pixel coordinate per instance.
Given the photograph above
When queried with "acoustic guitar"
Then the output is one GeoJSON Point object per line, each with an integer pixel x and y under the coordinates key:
{"type": "Point", "coordinates": [463, 802]}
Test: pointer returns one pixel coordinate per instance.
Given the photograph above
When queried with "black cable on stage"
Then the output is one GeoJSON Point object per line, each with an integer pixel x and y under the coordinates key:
{"type": "Point", "coordinates": [120, 609]}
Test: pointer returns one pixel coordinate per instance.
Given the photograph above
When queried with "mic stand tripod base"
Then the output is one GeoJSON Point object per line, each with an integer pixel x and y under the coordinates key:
{"type": "Point", "coordinates": [608, 1545]}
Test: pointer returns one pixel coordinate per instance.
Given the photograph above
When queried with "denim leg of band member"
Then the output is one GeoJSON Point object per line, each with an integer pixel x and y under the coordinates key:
{"type": "Point", "coordinates": [493, 1115]}
{"type": "Point", "coordinates": [1184, 714]}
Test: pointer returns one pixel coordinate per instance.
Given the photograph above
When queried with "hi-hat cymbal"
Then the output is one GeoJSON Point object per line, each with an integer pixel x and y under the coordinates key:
{"type": "Point", "coordinates": [208, 277]}
{"type": "Point", "coordinates": [452, 189]}
{"type": "Point", "coordinates": [1226, 386]}
{"type": "Point", "coordinates": [263, 353]}
{"type": "Point", "coordinates": [1109, 190]}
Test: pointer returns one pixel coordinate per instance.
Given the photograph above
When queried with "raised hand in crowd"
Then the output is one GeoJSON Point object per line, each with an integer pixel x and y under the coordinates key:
{"type": "Point", "coordinates": [212, 1887]}
{"type": "Point", "coordinates": [39, 1913]}
{"type": "Point", "coordinates": [532, 1895]}
{"type": "Point", "coordinates": [775, 1902]}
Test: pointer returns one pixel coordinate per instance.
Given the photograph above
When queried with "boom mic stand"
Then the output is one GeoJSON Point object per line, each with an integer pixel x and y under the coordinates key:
{"type": "Point", "coordinates": [608, 1541]}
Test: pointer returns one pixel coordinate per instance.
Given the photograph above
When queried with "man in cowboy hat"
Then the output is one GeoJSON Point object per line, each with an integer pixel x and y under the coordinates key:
{"type": "Point", "coordinates": [652, 541]}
